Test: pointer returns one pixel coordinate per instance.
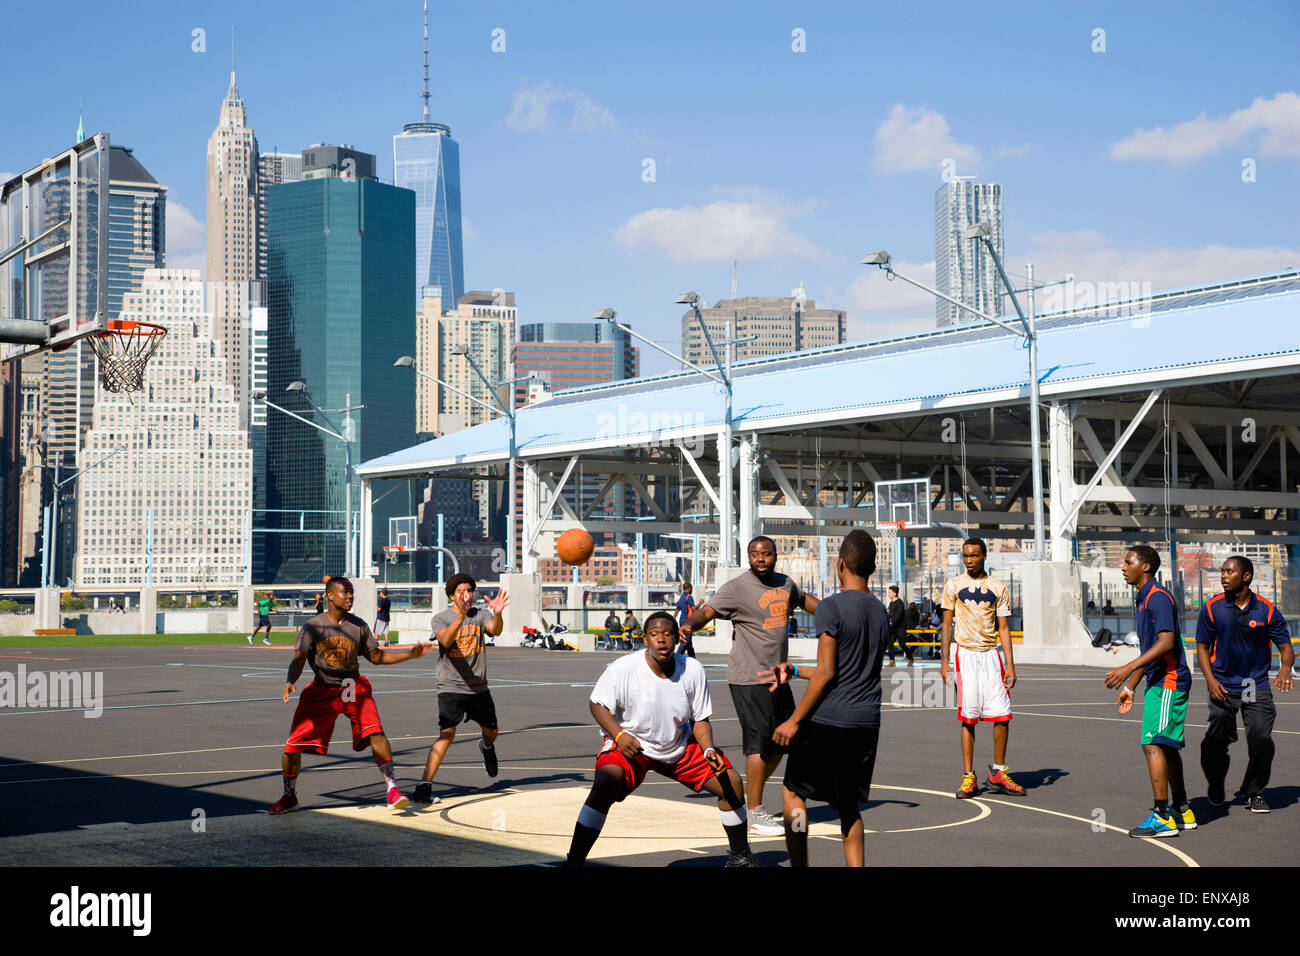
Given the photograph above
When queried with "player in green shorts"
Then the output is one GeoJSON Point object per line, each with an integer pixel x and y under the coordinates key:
{"type": "Point", "coordinates": [1164, 705]}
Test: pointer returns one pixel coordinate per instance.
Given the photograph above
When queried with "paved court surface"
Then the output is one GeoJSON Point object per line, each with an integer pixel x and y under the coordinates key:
{"type": "Point", "coordinates": [184, 760]}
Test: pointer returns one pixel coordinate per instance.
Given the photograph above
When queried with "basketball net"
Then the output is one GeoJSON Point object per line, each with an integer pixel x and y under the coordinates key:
{"type": "Point", "coordinates": [887, 543]}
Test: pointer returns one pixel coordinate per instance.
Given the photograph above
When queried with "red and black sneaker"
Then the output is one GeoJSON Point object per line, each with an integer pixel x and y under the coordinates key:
{"type": "Point", "coordinates": [285, 804]}
{"type": "Point", "coordinates": [1000, 780]}
{"type": "Point", "coordinates": [970, 786]}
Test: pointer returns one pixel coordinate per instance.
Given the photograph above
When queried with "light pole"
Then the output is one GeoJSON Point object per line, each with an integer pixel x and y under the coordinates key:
{"type": "Point", "coordinates": [344, 435]}
{"type": "Point", "coordinates": [726, 531]}
{"type": "Point", "coordinates": [407, 361]}
{"type": "Point", "coordinates": [1026, 331]}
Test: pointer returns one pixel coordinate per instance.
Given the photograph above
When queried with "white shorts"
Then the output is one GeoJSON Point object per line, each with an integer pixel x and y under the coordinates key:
{"type": "Point", "coordinates": [981, 694]}
{"type": "Point", "coordinates": [381, 627]}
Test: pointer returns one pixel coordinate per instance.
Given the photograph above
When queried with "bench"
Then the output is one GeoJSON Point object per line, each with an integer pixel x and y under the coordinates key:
{"type": "Point", "coordinates": [55, 631]}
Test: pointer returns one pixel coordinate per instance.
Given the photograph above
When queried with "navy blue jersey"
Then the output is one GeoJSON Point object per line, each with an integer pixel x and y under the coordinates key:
{"type": "Point", "coordinates": [1239, 639]}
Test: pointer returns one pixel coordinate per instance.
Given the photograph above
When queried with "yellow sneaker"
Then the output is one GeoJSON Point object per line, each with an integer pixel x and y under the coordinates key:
{"type": "Point", "coordinates": [1184, 818]}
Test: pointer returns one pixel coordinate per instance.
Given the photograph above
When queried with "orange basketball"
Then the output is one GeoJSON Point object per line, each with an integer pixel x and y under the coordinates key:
{"type": "Point", "coordinates": [574, 546]}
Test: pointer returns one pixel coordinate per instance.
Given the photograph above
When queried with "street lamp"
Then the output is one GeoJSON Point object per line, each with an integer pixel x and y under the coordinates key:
{"type": "Point", "coordinates": [982, 231]}
{"type": "Point", "coordinates": [726, 534]}
{"type": "Point", "coordinates": [344, 435]}
{"type": "Point", "coordinates": [406, 361]}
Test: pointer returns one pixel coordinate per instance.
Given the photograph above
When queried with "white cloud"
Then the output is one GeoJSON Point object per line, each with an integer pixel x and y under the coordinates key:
{"type": "Point", "coordinates": [1275, 122]}
{"type": "Point", "coordinates": [753, 226]}
{"type": "Point", "coordinates": [878, 307]}
{"type": "Point", "coordinates": [186, 238]}
{"type": "Point", "coordinates": [467, 231]}
{"type": "Point", "coordinates": [911, 139]}
{"type": "Point", "coordinates": [531, 109]}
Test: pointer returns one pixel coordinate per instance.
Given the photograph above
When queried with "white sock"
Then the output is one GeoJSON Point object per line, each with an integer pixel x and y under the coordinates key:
{"type": "Point", "coordinates": [731, 818]}
{"type": "Point", "coordinates": [999, 767]}
{"type": "Point", "coordinates": [590, 818]}
{"type": "Point", "coordinates": [483, 745]}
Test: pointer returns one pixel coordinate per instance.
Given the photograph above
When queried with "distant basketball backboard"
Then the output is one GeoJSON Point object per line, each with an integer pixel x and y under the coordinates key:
{"type": "Point", "coordinates": [402, 532]}
{"type": "Point", "coordinates": [907, 499]}
{"type": "Point", "coordinates": [54, 247]}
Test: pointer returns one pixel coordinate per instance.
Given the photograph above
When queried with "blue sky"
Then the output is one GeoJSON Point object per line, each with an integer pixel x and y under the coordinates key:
{"type": "Point", "coordinates": [1117, 166]}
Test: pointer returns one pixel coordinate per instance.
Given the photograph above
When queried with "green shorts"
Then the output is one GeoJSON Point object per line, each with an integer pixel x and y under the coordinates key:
{"type": "Point", "coordinates": [1164, 711]}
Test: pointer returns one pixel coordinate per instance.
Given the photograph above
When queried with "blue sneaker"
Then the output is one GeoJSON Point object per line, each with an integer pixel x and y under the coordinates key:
{"type": "Point", "coordinates": [1155, 826]}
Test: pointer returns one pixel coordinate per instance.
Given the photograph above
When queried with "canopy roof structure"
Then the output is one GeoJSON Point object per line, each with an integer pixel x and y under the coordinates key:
{"type": "Point", "coordinates": [1189, 399]}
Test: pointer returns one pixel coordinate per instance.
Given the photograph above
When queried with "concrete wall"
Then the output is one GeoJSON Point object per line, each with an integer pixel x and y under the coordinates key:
{"type": "Point", "coordinates": [1053, 619]}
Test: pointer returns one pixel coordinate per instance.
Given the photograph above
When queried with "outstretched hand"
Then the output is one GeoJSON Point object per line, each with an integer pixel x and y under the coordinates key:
{"type": "Point", "coordinates": [498, 603]}
{"type": "Point", "coordinates": [774, 677]}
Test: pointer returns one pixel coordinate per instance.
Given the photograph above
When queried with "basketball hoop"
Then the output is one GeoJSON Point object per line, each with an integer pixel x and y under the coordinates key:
{"type": "Point", "coordinates": [887, 532]}
{"type": "Point", "coordinates": [124, 350]}
{"type": "Point", "coordinates": [391, 551]}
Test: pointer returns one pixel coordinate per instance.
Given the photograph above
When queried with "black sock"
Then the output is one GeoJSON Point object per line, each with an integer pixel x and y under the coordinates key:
{"type": "Point", "coordinates": [737, 837]}
{"type": "Point", "coordinates": [289, 784]}
{"type": "Point", "coordinates": [584, 838]}
{"type": "Point", "coordinates": [1162, 807]}
{"type": "Point", "coordinates": [1180, 799]}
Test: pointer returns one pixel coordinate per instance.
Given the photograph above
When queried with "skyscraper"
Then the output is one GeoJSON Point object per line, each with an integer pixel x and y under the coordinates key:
{"type": "Point", "coordinates": [571, 354]}
{"type": "Point", "coordinates": [427, 160]}
{"type": "Point", "coordinates": [232, 227]}
{"type": "Point", "coordinates": [963, 268]}
{"type": "Point", "coordinates": [175, 449]}
{"type": "Point", "coordinates": [137, 225]}
{"type": "Point", "coordinates": [272, 169]}
{"type": "Point", "coordinates": [340, 263]}
{"type": "Point", "coordinates": [782, 324]}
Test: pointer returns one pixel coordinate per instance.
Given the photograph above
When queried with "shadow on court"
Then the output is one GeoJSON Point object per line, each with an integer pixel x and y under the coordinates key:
{"type": "Point", "coordinates": [60, 798]}
{"type": "Point", "coordinates": [1037, 779]}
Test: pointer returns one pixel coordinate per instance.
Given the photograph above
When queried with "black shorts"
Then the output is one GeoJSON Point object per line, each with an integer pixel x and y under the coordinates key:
{"type": "Point", "coordinates": [263, 621]}
{"type": "Point", "coordinates": [832, 764]}
{"type": "Point", "coordinates": [457, 708]}
{"type": "Point", "coordinates": [761, 711]}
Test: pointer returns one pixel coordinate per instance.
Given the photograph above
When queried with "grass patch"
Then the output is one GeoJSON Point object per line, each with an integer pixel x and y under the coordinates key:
{"type": "Point", "coordinates": [278, 638]}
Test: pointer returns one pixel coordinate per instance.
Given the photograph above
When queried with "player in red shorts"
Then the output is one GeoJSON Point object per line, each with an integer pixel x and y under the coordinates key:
{"type": "Point", "coordinates": [331, 643]}
{"type": "Point", "coordinates": [654, 708]}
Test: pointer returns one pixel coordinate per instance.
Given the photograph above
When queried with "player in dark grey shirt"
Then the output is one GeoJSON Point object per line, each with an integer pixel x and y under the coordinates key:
{"type": "Point", "coordinates": [462, 676]}
{"type": "Point", "coordinates": [833, 732]}
{"type": "Point", "coordinates": [758, 604]}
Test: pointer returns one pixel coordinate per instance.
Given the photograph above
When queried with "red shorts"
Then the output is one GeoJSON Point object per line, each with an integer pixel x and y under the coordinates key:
{"type": "Point", "coordinates": [691, 768]}
{"type": "Point", "coordinates": [318, 709]}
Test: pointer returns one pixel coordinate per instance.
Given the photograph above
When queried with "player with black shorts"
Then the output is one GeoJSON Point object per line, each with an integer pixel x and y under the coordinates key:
{"type": "Point", "coordinates": [758, 604]}
{"type": "Point", "coordinates": [463, 693]}
{"type": "Point", "coordinates": [381, 617]}
{"type": "Point", "coordinates": [264, 605]}
{"type": "Point", "coordinates": [833, 732]}
{"type": "Point", "coordinates": [331, 643]}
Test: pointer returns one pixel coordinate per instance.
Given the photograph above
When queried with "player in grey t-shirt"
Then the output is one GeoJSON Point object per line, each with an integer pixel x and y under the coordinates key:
{"type": "Point", "coordinates": [758, 604]}
{"type": "Point", "coordinates": [462, 676]}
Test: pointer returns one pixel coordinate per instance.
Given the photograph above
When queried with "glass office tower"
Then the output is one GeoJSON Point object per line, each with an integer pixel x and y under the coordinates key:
{"type": "Point", "coordinates": [340, 265]}
{"type": "Point", "coordinates": [426, 160]}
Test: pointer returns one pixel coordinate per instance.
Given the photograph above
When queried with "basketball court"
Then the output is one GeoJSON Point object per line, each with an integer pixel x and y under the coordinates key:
{"type": "Point", "coordinates": [185, 759]}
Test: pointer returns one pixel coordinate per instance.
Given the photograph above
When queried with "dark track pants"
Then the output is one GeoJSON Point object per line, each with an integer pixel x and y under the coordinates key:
{"type": "Point", "coordinates": [1258, 716]}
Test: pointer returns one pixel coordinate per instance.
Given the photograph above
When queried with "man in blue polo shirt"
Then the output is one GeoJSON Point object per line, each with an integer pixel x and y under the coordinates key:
{"type": "Point", "coordinates": [1232, 649]}
{"type": "Point", "coordinates": [1164, 704]}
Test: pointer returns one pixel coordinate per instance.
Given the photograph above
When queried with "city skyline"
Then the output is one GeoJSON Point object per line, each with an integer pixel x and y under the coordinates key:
{"type": "Point", "coordinates": [560, 120]}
